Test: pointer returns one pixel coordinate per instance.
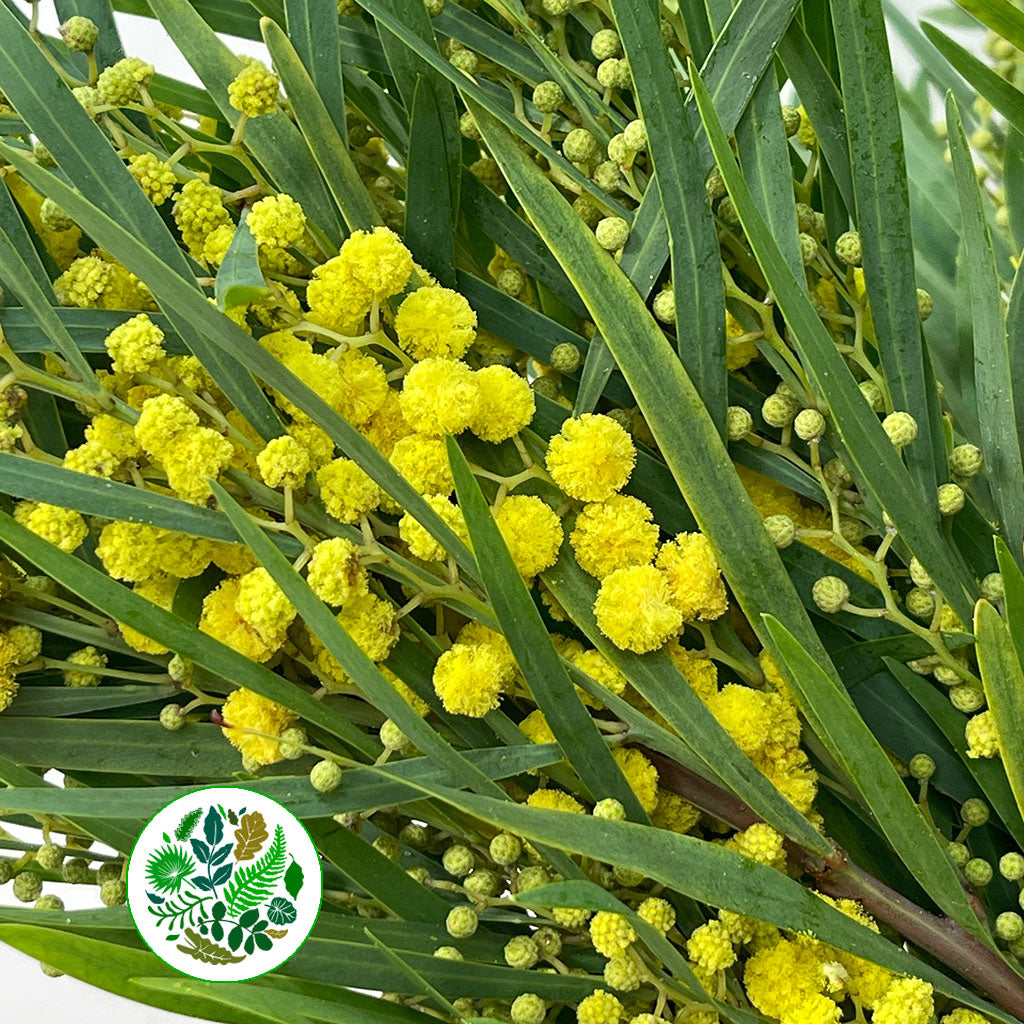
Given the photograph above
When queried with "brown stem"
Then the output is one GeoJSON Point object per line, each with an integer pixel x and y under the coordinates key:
{"type": "Point", "coordinates": [840, 878]}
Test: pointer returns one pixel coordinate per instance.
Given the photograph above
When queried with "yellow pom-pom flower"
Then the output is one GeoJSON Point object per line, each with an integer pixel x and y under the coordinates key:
{"type": "Point", "coordinates": [89, 658]}
{"type": "Point", "coordinates": [674, 813]}
{"type": "Point", "coordinates": [506, 405]}
{"type": "Point", "coordinates": [159, 590]}
{"type": "Point", "coordinates": [591, 457]}
{"type": "Point", "coordinates": [762, 843]}
{"type": "Point", "coordinates": [611, 933]}
{"type": "Point", "coordinates": [245, 710]}
{"type": "Point", "coordinates": [641, 775]}
{"type": "Point", "coordinates": [598, 667]}
{"type": "Point", "coordinates": [283, 462]}
{"type": "Point", "coordinates": [136, 345]}
{"type": "Point", "coordinates": [155, 177]}
{"type": "Point", "coordinates": [61, 526]}
{"type": "Point", "coordinates": [197, 455]}
{"type": "Point", "coordinates": [423, 461]}
{"type": "Point", "coordinates": [658, 913]}
{"type": "Point", "coordinates": [221, 620]}
{"type": "Point", "coordinates": [906, 1001]}
{"type": "Point", "coordinates": [440, 396]}
{"type": "Point", "coordinates": [982, 736]}
{"type": "Point", "coordinates": [421, 543]}
{"type": "Point", "coordinates": [698, 671]}
{"type": "Point", "coordinates": [634, 609]}
{"type": "Point", "coordinates": [709, 947]}
{"type": "Point", "coordinates": [614, 534]}
{"type": "Point", "coordinates": [535, 727]}
{"type": "Point", "coordinates": [161, 421]}
{"type": "Point", "coordinates": [334, 573]}
{"type": "Point", "coordinates": [198, 211]}
{"type": "Point", "coordinates": [277, 221]}
{"type": "Point", "coordinates": [379, 260]}
{"type": "Point", "coordinates": [600, 1008]}
{"type": "Point", "coordinates": [253, 91]}
{"type": "Point", "coordinates": [555, 800]}
{"type": "Point", "coordinates": [532, 532]}
{"type": "Point", "coordinates": [435, 321]}
{"type": "Point", "coordinates": [347, 492]}
{"type": "Point", "coordinates": [694, 578]}
{"type": "Point", "coordinates": [470, 678]}
{"type": "Point", "coordinates": [263, 605]}
{"type": "Point", "coordinates": [337, 299]}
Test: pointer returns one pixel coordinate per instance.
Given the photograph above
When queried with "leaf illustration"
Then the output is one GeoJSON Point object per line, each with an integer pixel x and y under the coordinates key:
{"type": "Point", "coordinates": [207, 951]}
{"type": "Point", "coordinates": [293, 879]}
{"type": "Point", "coordinates": [232, 817]}
{"type": "Point", "coordinates": [220, 854]}
{"type": "Point", "coordinates": [187, 824]}
{"type": "Point", "coordinates": [253, 884]}
{"type": "Point", "coordinates": [262, 941]}
{"type": "Point", "coordinates": [213, 827]}
{"type": "Point", "coordinates": [235, 937]}
{"type": "Point", "coordinates": [277, 933]}
{"type": "Point", "coordinates": [251, 835]}
{"type": "Point", "coordinates": [222, 874]}
{"type": "Point", "coordinates": [168, 867]}
{"type": "Point", "coordinates": [281, 911]}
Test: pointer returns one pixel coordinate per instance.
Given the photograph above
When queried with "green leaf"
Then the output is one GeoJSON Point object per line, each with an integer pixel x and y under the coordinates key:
{"type": "Point", "coordinates": [1002, 17]}
{"type": "Point", "coordinates": [312, 27]}
{"type": "Point", "coordinates": [883, 215]}
{"type": "Point", "coordinates": [363, 789]}
{"type": "Point", "coordinates": [866, 449]}
{"type": "Point", "coordinates": [239, 280]}
{"type": "Point", "coordinates": [88, 327]}
{"type": "Point", "coordinates": [293, 878]}
{"type": "Point", "coordinates": [848, 740]}
{"type": "Point", "coordinates": [693, 238]}
{"type": "Point", "coordinates": [13, 226]}
{"type": "Point", "coordinates": [429, 216]}
{"type": "Point", "coordinates": [114, 745]}
{"type": "Point", "coordinates": [1003, 679]}
{"type": "Point", "coordinates": [1007, 99]}
{"type": "Point", "coordinates": [56, 701]}
{"type": "Point", "coordinates": [597, 369]}
{"type": "Point", "coordinates": [524, 629]}
{"type": "Point", "coordinates": [1000, 439]}
{"type": "Point", "coordinates": [252, 884]}
{"type": "Point", "coordinates": [326, 141]}
{"type": "Point", "coordinates": [124, 605]}
{"type": "Point", "coordinates": [657, 680]}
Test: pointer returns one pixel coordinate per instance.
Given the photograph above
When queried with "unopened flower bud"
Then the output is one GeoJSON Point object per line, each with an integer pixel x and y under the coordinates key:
{"type": "Point", "coordinates": [466, 61]}
{"type": "Point", "coordinates": [978, 872]}
{"type": "Point", "coordinates": [809, 425]}
{"type": "Point", "coordinates": [461, 922]}
{"type": "Point", "coordinates": [1009, 926]}
{"type": "Point", "coordinates": [79, 33]}
{"type": "Point", "coordinates": [901, 428]}
{"type": "Point", "coordinates": [325, 776]}
{"type": "Point", "coordinates": [790, 120]}
{"type": "Point", "coordinates": [964, 697]}
{"type": "Point", "coordinates": [635, 136]}
{"type": "Point", "coordinates": [565, 357]}
{"type": "Point", "coordinates": [505, 849]}
{"type": "Point", "coordinates": [548, 97]}
{"type": "Point", "coordinates": [113, 893]}
{"type": "Point", "coordinates": [49, 856]}
{"type": "Point", "coordinates": [1011, 867]}
{"type": "Point", "coordinates": [664, 305]}
{"type": "Point", "coordinates": [291, 742]}
{"type": "Point", "coordinates": [872, 395]}
{"type": "Point", "coordinates": [605, 43]}
{"type": "Point", "coordinates": [974, 811]}
{"type": "Point", "coordinates": [922, 766]}
{"type": "Point", "coordinates": [528, 1009]}
{"type": "Point", "coordinates": [109, 871]}
{"type": "Point", "coordinates": [391, 736]}
{"type": "Point", "coordinates": [179, 669]}
{"type": "Point", "coordinates": [781, 529]}
{"type": "Point", "coordinates": [779, 411]}
{"type": "Point", "coordinates": [920, 603]}
{"type": "Point", "coordinates": [852, 530]}
{"type": "Point", "coordinates": [579, 146]}
{"type": "Point", "coordinates": [75, 871]}
{"type": "Point", "coordinates": [966, 460]}
{"type": "Point", "coordinates": [738, 423]}
{"type": "Point", "coordinates": [992, 587]}
{"type": "Point", "coordinates": [924, 304]}
{"type": "Point", "coordinates": [959, 854]}
{"type": "Point", "coordinates": [609, 809]}
{"type": "Point", "coordinates": [448, 953]}
{"type": "Point", "coordinates": [848, 248]}
{"type": "Point", "coordinates": [521, 952]}
{"type": "Point", "coordinates": [950, 499]}
{"type": "Point", "coordinates": [482, 883]}
{"type": "Point", "coordinates": [714, 186]}
{"type": "Point", "coordinates": [172, 717]}
{"type": "Point", "coordinates": [612, 233]}
{"type": "Point", "coordinates": [458, 860]}
{"type": "Point", "coordinates": [830, 593]}
{"type": "Point", "coordinates": [808, 248]}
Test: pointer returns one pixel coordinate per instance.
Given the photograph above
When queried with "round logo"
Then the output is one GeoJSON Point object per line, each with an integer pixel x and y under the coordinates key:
{"type": "Point", "coordinates": [224, 884]}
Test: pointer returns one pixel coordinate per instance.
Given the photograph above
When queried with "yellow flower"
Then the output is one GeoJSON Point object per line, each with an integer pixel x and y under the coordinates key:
{"type": "Point", "coordinates": [347, 492]}
{"type": "Point", "coordinates": [469, 678]}
{"type": "Point", "coordinates": [506, 405]}
{"type": "Point", "coordinates": [387, 426]}
{"type": "Point", "coordinates": [155, 177]}
{"type": "Point", "coordinates": [423, 461]}
{"type": "Point", "coordinates": [92, 459]}
{"type": "Point", "coordinates": [435, 321]}
{"type": "Point", "coordinates": [334, 573]}
{"type": "Point", "coordinates": [906, 1001]}
{"type": "Point", "coordinates": [116, 436]}
{"type": "Point", "coordinates": [246, 710]}
{"type": "Point", "coordinates": [61, 526]}
{"type": "Point", "coordinates": [614, 534]}
{"type": "Point", "coordinates": [634, 609]}
{"type": "Point", "coordinates": [161, 421]}
{"type": "Point", "coordinates": [263, 605]}
{"type": "Point", "coordinates": [674, 813]}
{"type": "Point", "coordinates": [253, 91]}
{"type": "Point", "coordinates": [641, 775]}
{"type": "Point", "coordinates": [421, 543]}
{"type": "Point", "coordinates": [363, 387]}
{"type": "Point", "coordinates": [599, 668]}
{"type": "Point", "coordinates": [532, 532]}
{"type": "Point", "coordinates": [373, 627]}
{"type": "Point", "coordinates": [535, 727]}
{"type": "Point", "coordinates": [221, 620]}
{"type": "Point", "coordinates": [277, 221]}
{"type": "Point", "coordinates": [710, 947]}
{"type": "Point", "coordinates": [700, 672]}
{"type": "Point", "coordinates": [160, 590]}
{"type": "Point", "coordinates": [694, 579]}
{"type": "Point", "coordinates": [599, 1008]}
{"type": "Point", "coordinates": [611, 933]}
{"type": "Point", "coordinates": [591, 457]}
{"type": "Point", "coordinates": [379, 260]}
{"type": "Point", "coordinates": [196, 454]}
{"type": "Point", "coordinates": [982, 736]}
{"type": "Point", "coordinates": [762, 843]}
{"type": "Point", "coordinates": [90, 658]}
{"type": "Point", "coordinates": [439, 396]}
{"type": "Point", "coordinates": [283, 462]}
{"type": "Point", "coordinates": [198, 211]}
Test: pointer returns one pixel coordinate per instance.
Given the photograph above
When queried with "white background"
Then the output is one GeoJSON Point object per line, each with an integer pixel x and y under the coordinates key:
{"type": "Point", "coordinates": [28, 994]}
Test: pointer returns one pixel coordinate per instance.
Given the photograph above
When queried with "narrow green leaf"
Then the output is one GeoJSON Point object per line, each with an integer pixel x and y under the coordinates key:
{"type": "Point", "coordinates": [883, 214]}
{"type": "Point", "coordinates": [12, 225]}
{"type": "Point", "coordinates": [55, 701]}
{"type": "Point", "coordinates": [597, 369]}
{"type": "Point", "coordinates": [326, 141]}
{"type": "Point", "coordinates": [239, 279]}
{"type": "Point", "coordinates": [1003, 679]}
{"type": "Point", "coordinates": [88, 328]}
{"type": "Point", "coordinates": [849, 741]}
{"type": "Point", "coordinates": [528, 637]}
{"type": "Point", "coordinates": [1003, 18]}
{"type": "Point", "coordinates": [867, 450]}
{"type": "Point", "coordinates": [764, 157]}
{"type": "Point", "coordinates": [312, 27]}
{"type": "Point", "coordinates": [693, 238]}
{"type": "Point", "coordinates": [429, 215]}
{"type": "Point", "coordinates": [116, 745]}
{"type": "Point", "coordinates": [125, 605]}
{"type": "Point", "coordinates": [1007, 99]}
{"type": "Point", "coordinates": [993, 372]}
{"type": "Point", "coordinates": [479, 35]}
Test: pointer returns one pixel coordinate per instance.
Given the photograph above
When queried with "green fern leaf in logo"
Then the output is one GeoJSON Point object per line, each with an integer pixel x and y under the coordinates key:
{"type": "Point", "coordinates": [168, 867]}
{"type": "Point", "coordinates": [188, 824]}
{"type": "Point", "coordinates": [253, 884]}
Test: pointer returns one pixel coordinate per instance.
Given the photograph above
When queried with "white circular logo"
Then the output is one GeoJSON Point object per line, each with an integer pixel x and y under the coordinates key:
{"type": "Point", "coordinates": [224, 884]}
